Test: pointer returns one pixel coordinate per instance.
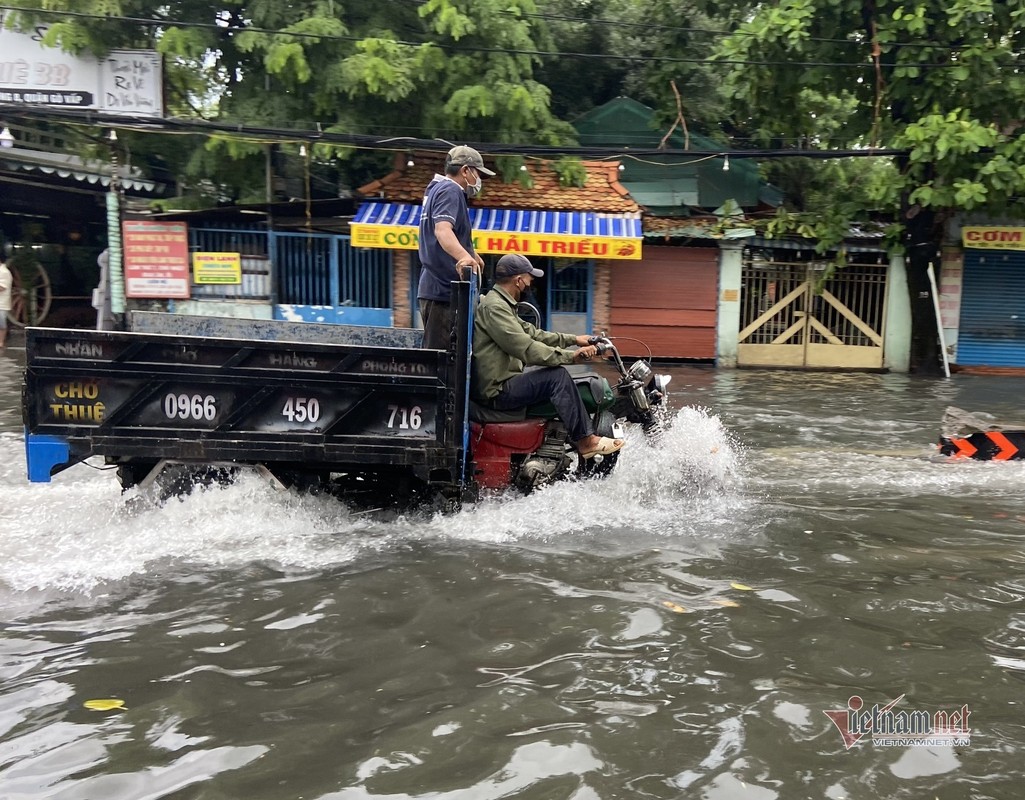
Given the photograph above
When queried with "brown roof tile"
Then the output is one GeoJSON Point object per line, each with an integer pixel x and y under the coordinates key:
{"type": "Point", "coordinates": [698, 227]}
{"type": "Point", "coordinates": [601, 192]}
{"type": "Point", "coordinates": [671, 225]}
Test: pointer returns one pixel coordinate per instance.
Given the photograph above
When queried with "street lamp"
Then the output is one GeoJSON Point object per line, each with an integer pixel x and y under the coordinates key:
{"type": "Point", "coordinates": [6, 137]}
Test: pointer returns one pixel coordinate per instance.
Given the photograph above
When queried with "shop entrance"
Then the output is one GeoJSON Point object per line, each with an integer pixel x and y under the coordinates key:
{"type": "Point", "coordinates": [992, 329]}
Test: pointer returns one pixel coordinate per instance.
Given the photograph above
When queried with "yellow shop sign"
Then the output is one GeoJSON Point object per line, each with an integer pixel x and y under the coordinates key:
{"type": "Point", "coordinates": [401, 237]}
{"type": "Point", "coordinates": [993, 238]}
{"type": "Point", "coordinates": [223, 268]}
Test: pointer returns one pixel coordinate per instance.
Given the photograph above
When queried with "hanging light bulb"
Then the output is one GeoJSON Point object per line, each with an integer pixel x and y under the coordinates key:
{"type": "Point", "coordinates": [410, 162]}
{"type": "Point", "coordinates": [302, 150]}
{"type": "Point", "coordinates": [6, 137]}
{"type": "Point", "coordinates": [622, 167]}
{"type": "Point", "coordinates": [726, 164]}
{"type": "Point", "coordinates": [523, 167]}
{"type": "Point", "coordinates": [112, 136]}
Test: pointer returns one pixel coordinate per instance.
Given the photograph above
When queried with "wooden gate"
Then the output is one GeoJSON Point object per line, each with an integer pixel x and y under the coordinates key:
{"type": "Point", "coordinates": [786, 323]}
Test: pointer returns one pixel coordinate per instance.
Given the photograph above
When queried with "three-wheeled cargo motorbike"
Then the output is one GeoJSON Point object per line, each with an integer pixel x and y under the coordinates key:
{"type": "Point", "coordinates": [364, 413]}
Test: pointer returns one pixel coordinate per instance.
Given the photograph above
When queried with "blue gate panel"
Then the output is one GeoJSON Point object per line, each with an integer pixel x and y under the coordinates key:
{"type": "Point", "coordinates": [319, 269]}
{"type": "Point", "coordinates": [305, 264]}
{"type": "Point", "coordinates": [992, 327]}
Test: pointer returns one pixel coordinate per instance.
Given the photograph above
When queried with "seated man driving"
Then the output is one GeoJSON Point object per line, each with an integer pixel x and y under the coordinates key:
{"type": "Point", "coordinates": [503, 344]}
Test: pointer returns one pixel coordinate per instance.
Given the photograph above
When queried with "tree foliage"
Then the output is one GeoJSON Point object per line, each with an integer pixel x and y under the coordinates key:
{"type": "Point", "coordinates": [943, 80]}
{"type": "Point", "coordinates": [940, 79]}
{"type": "Point", "coordinates": [457, 70]}
{"type": "Point", "coordinates": [641, 49]}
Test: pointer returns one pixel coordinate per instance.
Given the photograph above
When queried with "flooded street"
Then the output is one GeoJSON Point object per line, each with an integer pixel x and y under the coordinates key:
{"type": "Point", "coordinates": [675, 631]}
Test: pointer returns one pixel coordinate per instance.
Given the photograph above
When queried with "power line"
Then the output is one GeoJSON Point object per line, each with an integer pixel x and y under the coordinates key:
{"type": "Point", "coordinates": [270, 135]}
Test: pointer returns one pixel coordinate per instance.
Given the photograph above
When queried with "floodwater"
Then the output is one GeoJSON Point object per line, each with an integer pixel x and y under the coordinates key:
{"type": "Point", "coordinates": [675, 631]}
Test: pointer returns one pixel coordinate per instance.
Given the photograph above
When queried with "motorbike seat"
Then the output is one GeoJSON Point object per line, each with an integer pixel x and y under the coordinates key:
{"type": "Point", "coordinates": [484, 415]}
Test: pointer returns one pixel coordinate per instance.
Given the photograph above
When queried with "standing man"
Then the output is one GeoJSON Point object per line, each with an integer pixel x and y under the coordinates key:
{"type": "Point", "coordinates": [6, 283]}
{"type": "Point", "coordinates": [503, 344]}
{"type": "Point", "coordinates": [446, 241]}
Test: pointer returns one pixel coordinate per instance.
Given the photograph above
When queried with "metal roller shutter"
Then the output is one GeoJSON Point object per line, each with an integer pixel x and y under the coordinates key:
{"type": "Point", "coordinates": [668, 301]}
{"type": "Point", "coordinates": [992, 328]}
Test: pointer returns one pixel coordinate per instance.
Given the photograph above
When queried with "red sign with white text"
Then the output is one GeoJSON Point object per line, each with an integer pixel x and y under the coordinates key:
{"type": "Point", "coordinates": [156, 259]}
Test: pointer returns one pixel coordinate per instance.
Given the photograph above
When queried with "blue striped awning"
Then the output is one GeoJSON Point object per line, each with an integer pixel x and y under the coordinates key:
{"type": "Point", "coordinates": [509, 220]}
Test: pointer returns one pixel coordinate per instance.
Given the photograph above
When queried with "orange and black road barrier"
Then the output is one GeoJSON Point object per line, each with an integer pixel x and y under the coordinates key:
{"type": "Point", "coordinates": [986, 446]}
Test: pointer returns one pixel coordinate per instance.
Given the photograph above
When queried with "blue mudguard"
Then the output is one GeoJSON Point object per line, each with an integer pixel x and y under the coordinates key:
{"type": "Point", "coordinates": [43, 453]}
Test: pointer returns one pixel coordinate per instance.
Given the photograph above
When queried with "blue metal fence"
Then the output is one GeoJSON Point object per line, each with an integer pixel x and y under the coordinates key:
{"type": "Point", "coordinates": [366, 276]}
{"type": "Point", "coordinates": [307, 268]}
{"type": "Point", "coordinates": [316, 276]}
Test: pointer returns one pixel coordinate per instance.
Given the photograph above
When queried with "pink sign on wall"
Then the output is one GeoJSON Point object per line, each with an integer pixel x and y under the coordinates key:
{"type": "Point", "coordinates": [156, 259]}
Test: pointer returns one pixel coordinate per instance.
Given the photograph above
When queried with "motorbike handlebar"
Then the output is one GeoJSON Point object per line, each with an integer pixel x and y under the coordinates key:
{"type": "Point", "coordinates": [603, 345]}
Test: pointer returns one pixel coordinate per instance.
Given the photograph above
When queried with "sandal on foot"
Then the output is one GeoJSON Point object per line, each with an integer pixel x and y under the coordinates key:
{"type": "Point", "coordinates": [606, 447]}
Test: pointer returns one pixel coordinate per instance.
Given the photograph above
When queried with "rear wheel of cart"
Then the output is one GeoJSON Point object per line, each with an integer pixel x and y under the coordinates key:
{"type": "Point", "coordinates": [446, 502]}
{"type": "Point", "coordinates": [131, 474]}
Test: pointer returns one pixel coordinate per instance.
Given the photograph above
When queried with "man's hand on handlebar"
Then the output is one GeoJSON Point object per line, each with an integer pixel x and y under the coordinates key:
{"type": "Point", "coordinates": [585, 353]}
{"type": "Point", "coordinates": [599, 344]}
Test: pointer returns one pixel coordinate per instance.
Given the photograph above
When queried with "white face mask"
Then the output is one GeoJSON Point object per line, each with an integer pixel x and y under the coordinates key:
{"type": "Point", "coordinates": [472, 190]}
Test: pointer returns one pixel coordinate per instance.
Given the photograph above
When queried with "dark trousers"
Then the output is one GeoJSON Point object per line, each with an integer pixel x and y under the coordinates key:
{"type": "Point", "coordinates": [541, 384]}
{"type": "Point", "coordinates": [438, 320]}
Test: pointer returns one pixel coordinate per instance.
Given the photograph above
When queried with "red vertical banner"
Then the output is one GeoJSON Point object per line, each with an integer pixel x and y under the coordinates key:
{"type": "Point", "coordinates": [156, 259]}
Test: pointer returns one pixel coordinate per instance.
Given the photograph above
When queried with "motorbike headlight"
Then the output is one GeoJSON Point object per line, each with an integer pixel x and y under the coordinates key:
{"type": "Point", "coordinates": [640, 372]}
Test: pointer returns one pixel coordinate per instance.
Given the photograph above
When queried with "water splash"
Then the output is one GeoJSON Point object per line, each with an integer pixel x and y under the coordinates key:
{"type": "Point", "coordinates": [682, 482]}
{"type": "Point", "coordinates": [79, 531]}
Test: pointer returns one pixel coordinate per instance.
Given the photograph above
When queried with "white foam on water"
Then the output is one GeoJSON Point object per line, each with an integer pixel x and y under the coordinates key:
{"type": "Point", "coordinates": [685, 480]}
{"type": "Point", "coordinates": [693, 483]}
{"type": "Point", "coordinates": [79, 531]}
{"type": "Point", "coordinates": [904, 473]}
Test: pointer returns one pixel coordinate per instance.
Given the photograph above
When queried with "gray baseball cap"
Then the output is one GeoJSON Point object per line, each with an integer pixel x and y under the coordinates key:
{"type": "Point", "coordinates": [514, 264]}
{"type": "Point", "coordinates": [463, 156]}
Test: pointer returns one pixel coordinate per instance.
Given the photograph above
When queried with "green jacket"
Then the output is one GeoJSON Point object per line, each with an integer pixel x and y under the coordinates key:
{"type": "Point", "coordinates": [503, 344]}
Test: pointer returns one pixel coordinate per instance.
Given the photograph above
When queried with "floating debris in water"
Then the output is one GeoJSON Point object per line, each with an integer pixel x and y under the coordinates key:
{"type": "Point", "coordinates": [106, 704]}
